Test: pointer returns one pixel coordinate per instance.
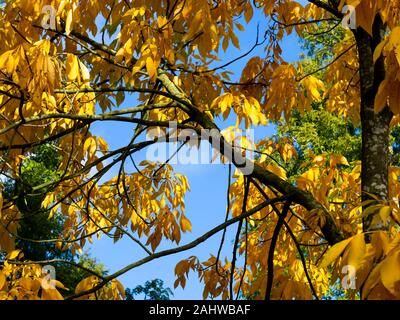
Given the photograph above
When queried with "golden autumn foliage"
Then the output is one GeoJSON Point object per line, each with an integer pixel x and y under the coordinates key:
{"type": "Point", "coordinates": [295, 236]}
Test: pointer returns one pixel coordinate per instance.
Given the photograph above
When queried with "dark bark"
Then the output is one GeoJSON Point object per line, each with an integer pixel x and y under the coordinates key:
{"type": "Point", "coordinates": [375, 126]}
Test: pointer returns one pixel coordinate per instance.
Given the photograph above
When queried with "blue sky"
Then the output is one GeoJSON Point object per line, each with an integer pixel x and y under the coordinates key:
{"type": "Point", "coordinates": [205, 203]}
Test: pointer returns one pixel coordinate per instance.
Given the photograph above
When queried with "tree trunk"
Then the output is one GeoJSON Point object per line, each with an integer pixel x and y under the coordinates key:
{"type": "Point", "coordinates": [375, 127]}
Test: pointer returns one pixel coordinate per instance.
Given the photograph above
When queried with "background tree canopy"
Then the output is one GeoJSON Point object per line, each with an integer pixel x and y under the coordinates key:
{"type": "Point", "coordinates": [322, 193]}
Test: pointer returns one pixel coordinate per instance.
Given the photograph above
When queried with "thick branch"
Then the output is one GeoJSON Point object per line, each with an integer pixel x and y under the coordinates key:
{"type": "Point", "coordinates": [330, 231]}
{"type": "Point", "coordinates": [327, 7]}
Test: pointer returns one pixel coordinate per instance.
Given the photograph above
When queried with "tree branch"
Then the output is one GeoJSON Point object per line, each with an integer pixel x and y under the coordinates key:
{"type": "Point", "coordinates": [327, 7]}
{"type": "Point", "coordinates": [186, 247]}
{"type": "Point", "coordinates": [270, 261]}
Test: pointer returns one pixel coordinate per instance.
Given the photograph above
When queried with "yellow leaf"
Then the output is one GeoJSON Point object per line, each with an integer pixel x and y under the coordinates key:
{"type": "Point", "coordinates": [248, 14]}
{"type": "Point", "coordinates": [225, 43]}
{"type": "Point", "coordinates": [371, 282]}
{"type": "Point", "coordinates": [102, 144]}
{"type": "Point", "coordinates": [380, 242]}
{"type": "Point", "coordinates": [384, 213]}
{"type": "Point", "coordinates": [142, 10]}
{"type": "Point", "coordinates": [319, 159]}
{"type": "Point", "coordinates": [235, 40]}
{"type": "Point", "coordinates": [72, 67]}
{"type": "Point", "coordinates": [13, 254]}
{"type": "Point", "coordinates": [30, 284]}
{"type": "Point", "coordinates": [239, 26]}
{"type": "Point", "coordinates": [2, 280]}
{"type": "Point", "coordinates": [394, 99]}
{"type": "Point", "coordinates": [86, 284]}
{"type": "Point", "coordinates": [181, 267]}
{"type": "Point", "coordinates": [279, 171]}
{"type": "Point", "coordinates": [381, 98]}
{"type": "Point", "coordinates": [51, 294]}
{"type": "Point", "coordinates": [365, 14]}
{"type": "Point", "coordinates": [334, 252]}
{"type": "Point", "coordinates": [162, 202]}
{"type": "Point", "coordinates": [371, 210]}
{"type": "Point", "coordinates": [151, 67]}
{"type": "Point", "coordinates": [394, 38]}
{"type": "Point", "coordinates": [118, 285]}
{"type": "Point", "coordinates": [356, 250]}
{"type": "Point", "coordinates": [4, 58]}
{"type": "Point", "coordinates": [68, 22]}
{"type": "Point", "coordinates": [155, 240]}
{"type": "Point", "coordinates": [389, 271]}
{"type": "Point", "coordinates": [225, 101]}
{"type": "Point", "coordinates": [85, 72]}
{"type": "Point", "coordinates": [378, 50]}
{"type": "Point", "coordinates": [185, 224]}
{"type": "Point", "coordinates": [343, 160]}
{"type": "Point", "coordinates": [161, 21]}
{"type": "Point", "coordinates": [176, 234]}
{"type": "Point", "coordinates": [90, 146]}
{"type": "Point", "coordinates": [134, 12]}
{"type": "Point", "coordinates": [60, 285]}
{"type": "Point", "coordinates": [288, 152]}
{"type": "Point", "coordinates": [313, 85]}
{"type": "Point", "coordinates": [10, 64]}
